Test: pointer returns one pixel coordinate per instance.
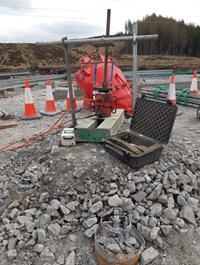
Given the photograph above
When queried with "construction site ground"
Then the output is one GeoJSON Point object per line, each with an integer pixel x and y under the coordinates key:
{"type": "Point", "coordinates": [94, 165]}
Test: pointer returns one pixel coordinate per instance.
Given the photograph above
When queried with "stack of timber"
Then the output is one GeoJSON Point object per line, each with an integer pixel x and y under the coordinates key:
{"type": "Point", "coordinates": [189, 99]}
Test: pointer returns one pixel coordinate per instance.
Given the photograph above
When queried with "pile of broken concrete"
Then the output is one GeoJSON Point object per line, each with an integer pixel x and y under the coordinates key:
{"type": "Point", "coordinates": [157, 198]}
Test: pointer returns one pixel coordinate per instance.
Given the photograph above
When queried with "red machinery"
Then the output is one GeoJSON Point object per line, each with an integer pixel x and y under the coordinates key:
{"type": "Point", "coordinates": [116, 93]}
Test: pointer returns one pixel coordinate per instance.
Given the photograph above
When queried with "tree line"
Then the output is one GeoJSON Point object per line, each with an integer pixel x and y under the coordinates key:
{"type": "Point", "coordinates": [174, 37]}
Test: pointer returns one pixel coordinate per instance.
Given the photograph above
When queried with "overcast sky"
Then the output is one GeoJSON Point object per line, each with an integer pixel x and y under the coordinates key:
{"type": "Point", "coordinates": [51, 20]}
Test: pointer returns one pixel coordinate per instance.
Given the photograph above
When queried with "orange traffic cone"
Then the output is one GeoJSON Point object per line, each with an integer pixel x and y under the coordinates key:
{"type": "Point", "coordinates": [193, 87]}
{"type": "Point", "coordinates": [29, 108]}
{"type": "Point", "coordinates": [68, 105]}
{"type": "Point", "coordinates": [50, 107]}
{"type": "Point", "coordinates": [171, 96]}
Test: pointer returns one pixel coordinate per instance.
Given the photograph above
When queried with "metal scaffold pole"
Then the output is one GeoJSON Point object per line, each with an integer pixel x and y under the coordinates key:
{"type": "Point", "coordinates": [69, 78]}
{"type": "Point", "coordinates": [134, 62]}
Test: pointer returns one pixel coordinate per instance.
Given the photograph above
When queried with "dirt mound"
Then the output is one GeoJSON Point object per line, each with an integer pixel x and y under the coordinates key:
{"type": "Point", "coordinates": [19, 57]}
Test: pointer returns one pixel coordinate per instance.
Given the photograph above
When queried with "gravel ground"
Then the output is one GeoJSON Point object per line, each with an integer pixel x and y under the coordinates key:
{"type": "Point", "coordinates": [76, 185]}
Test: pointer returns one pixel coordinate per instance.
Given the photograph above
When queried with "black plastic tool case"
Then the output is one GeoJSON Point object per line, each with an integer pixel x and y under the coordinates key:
{"type": "Point", "coordinates": [150, 128]}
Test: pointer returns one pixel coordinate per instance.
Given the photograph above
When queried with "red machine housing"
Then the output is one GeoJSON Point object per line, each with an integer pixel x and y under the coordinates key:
{"type": "Point", "coordinates": [90, 77]}
{"type": "Point", "coordinates": [105, 104]}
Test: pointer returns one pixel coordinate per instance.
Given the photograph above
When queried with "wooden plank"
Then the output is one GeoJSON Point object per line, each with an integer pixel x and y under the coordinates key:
{"type": "Point", "coordinates": [8, 125]}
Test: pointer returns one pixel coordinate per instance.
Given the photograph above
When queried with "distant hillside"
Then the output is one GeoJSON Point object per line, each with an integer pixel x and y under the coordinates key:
{"type": "Point", "coordinates": [18, 57]}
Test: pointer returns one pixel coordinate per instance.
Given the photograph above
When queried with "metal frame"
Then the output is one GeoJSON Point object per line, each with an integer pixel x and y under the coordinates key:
{"type": "Point", "coordinates": [103, 40]}
{"type": "Point", "coordinates": [67, 43]}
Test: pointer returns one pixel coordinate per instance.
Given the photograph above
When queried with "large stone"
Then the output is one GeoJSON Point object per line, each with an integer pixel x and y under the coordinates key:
{"type": "Point", "coordinates": [144, 220]}
{"type": "Point", "coordinates": [149, 255]}
{"type": "Point", "coordinates": [173, 177]}
{"type": "Point", "coordinates": [72, 237]}
{"type": "Point", "coordinates": [153, 222]}
{"type": "Point", "coordinates": [171, 202]}
{"type": "Point", "coordinates": [12, 243]}
{"type": "Point", "coordinates": [91, 231]}
{"type": "Point", "coordinates": [152, 171]}
{"type": "Point", "coordinates": [193, 203]}
{"type": "Point", "coordinates": [156, 209]}
{"type": "Point", "coordinates": [30, 243]}
{"type": "Point", "coordinates": [126, 193]}
{"type": "Point", "coordinates": [43, 197]}
{"type": "Point", "coordinates": [20, 244]}
{"type": "Point", "coordinates": [154, 232]}
{"type": "Point", "coordinates": [113, 247]}
{"type": "Point", "coordinates": [139, 180]}
{"type": "Point", "coordinates": [47, 255]}
{"type": "Point", "coordinates": [135, 217]}
{"type": "Point", "coordinates": [127, 204]}
{"type": "Point", "coordinates": [165, 181]}
{"type": "Point", "coordinates": [184, 179]}
{"type": "Point", "coordinates": [69, 218]}
{"type": "Point", "coordinates": [145, 231]}
{"type": "Point", "coordinates": [64, 210]}
{"type": "Point", "coordinates": [166, 229]}
{"type": "Point", "coordinates": [13, 213]}
{"type": "Point", "coordinates": [158, 242]}
{"type": "Point", "coordinates": [41, 235]}
{"type": "Point", "coordinates": [89, 222]}
{"type": "Point", "coordinates": [13, 204]}
{"type": "Point", "coordinates": [163, 199]}
{"type": "Point", "coordinates": [187, 214]}
{"type": "Point", "coordinates": [114, 201]}
{"type": "Point", "coordinates": [155, 193]}
{"type": "Point", "coordinates": [72, 205]}
{"type": "Point", "coordinates": [38, 248]}
{"type": "Point", "coordinates": [61, 259]}
{"type": "Point", "coordinates": [44, 221]}
{"type": "Point", "coordinates": [181, 201]}
{"type": "Point", "coordinates": [54, 229]}
{"type": "Point", "coordinates": [30, 226]}
{"type": "Point", "coordinates": [55, 204]}
{"type": "Point", "coordinates": [32, 211]}
{"type": "Point", "coordinates": [139, 196]}
{"type": "Point", "coordinates": [12, 254]}
{"type": "Point", "coordinates": [71, 259]}
{"type": "Point", "coordinates": [96, 207]}
{"type": "Point", "coordinates": [170, 213]}
{"type": "Point", "coordinates": [52, 212]}
{"type": "Point", "coordinates": [178, 222]}
{"type": "Point", "coordinates": [131, 186]}
{"type": "Point", "coordinates": [22, 219]}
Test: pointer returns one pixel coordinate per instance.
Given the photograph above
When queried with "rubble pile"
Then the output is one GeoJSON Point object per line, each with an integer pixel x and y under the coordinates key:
{"type": "Point", "coordinates": [74, 191]}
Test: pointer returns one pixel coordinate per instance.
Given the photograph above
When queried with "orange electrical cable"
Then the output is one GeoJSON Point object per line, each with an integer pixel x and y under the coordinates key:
{"type": "Point", "coordinates": [32, 138]}
{"type": "Point", "coordinates": [29, 140]}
